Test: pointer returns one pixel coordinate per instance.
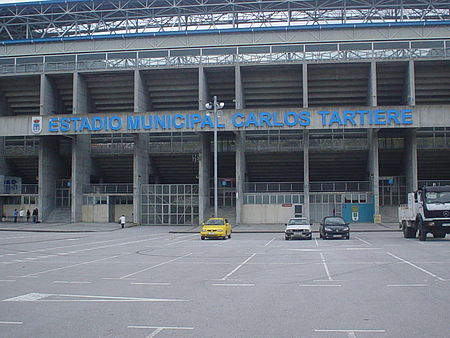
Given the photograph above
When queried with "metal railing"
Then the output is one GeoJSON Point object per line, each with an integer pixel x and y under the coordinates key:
{"type": "Point", "coordinates": [120, 188]}
{"type": "Point", "coordinates": [341, 186]}
{"type": "Point", "coordinates": [334, 186]}
{"type": "Point", "coordinates": [433, 182]}
{"type": "Point", "coordinates": [263, 187]}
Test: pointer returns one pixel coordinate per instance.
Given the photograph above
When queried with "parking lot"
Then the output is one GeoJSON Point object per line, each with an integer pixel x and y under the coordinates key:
{"type": "Point", "coordinates": [146, 282]}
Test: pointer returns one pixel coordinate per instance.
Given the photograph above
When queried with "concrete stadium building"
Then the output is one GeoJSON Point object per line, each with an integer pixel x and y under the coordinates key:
{"type": "Point", "coordinates": [328, 107]}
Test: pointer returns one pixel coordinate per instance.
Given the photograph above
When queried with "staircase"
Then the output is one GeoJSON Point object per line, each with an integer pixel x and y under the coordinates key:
{"type": "Point", "coordinates": [59, 215]}
{"type": "Point", "coordinates": [227, 212]}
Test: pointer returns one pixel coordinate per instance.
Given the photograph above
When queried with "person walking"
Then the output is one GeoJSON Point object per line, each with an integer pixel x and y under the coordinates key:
{"type": "Point", "coordinates": [15, 215]}
{"type": "Point", "coordinates": [122, 221]}
{"type": "Point", "coordinates": [22, 215]}
{"type": "Point", "coordinates": [28, 215]}
{"type": "Point", "coordinates": [35, 215]}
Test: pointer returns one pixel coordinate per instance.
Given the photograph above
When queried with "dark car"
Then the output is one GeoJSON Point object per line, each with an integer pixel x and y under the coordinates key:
{"type": "Point", "coordinates": [334, 227]}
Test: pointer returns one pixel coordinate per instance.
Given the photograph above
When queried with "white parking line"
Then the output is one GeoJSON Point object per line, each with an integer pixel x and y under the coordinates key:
{"type": "Point", "coordinates": [417, 267]}
{"type": "Point", "coordinates": [154, 266]}
{"type": "Point", "coordinates": [352, 333]}
{"type": "Point", "coordinates": [68, 266]}
{"type": "Point", "coordinates": [240, 266]}
{"type": "Point", "coordinates": [67, 282]}
{"type": "Point", "coordinates": [158, 329]}
{"type": "Point", "coordinates": [269, 241]}
{"type": "Point", "coordinates": [233, 284]}
{"type": "Point", "coordinates": [360, 239]}
{"type": "Point", "coordinates": [406, 285]}
{"type": "Point", "coordinates": [7, 280]}
{"type": "Point", "coordinates": [325, 266]}
{"type": "Point", "coordinates": [320, 285]}
{"type": "Point", "coordinates": [13, 323]}
{"type": "Point", "coordinates": [150, 283]}
{"type": "Point", "coordinates": [42, 297]}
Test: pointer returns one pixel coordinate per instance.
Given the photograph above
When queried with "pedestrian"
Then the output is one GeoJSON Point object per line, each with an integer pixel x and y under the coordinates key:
{"type": "Point", "coordinates": [22, 215]}
{"type": "Point", "coordinates": [15, 215]}
{"type": "Point", "coordinates": [35, 215]}
{"type": "Point", "coordinates": [28, 215]}
{"type": "Point", "coordinates": [122, 221]}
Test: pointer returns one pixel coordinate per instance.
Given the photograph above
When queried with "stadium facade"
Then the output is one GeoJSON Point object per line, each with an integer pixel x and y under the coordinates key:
{"type": "Point", "coordinates": [328, 107]}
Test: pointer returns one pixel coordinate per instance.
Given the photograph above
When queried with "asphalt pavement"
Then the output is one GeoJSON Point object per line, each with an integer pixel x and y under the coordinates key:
{"type": "Point", "coordinates": [146, 282]}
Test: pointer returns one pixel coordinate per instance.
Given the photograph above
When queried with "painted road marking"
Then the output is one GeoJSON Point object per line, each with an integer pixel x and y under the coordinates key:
{"type": "Point", "coordinates": [417, 267]}
{"type": "Point", "coordinates": [7, 280]}
{"type": "Point", "coordinates": [13, 323]}
{"type": "Point", "coordinates": [233, 284]}
{"type": "Point", "coordinates": [406, 285]}
{"type": "Point", "coordinates": [240, 266]}
{"type": "Point", "coordinates": [154, 266]}
{"type": "Point", "coordinates": [269, 241]}
{"type": "Point", "coordinates": [68, 266]}
{"type": "Point", "coordinates": [320, 285]}
{"type": "Point", "coordinates": [352, 333]}
{"type": "Point", "coordinates": [67, 282]}
{"type": "Point", "coordinates": [326, 267]}
{"type": "Point", "coordinates": [360, 239]}
{"type": "Point", "coordinates": [33, 297]}
{"type": "Point", "coordinates": [150, 283]}
{"type": "Point", "coordinates": [158, 329]}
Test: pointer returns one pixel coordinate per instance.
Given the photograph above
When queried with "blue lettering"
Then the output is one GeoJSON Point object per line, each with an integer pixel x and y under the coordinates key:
{"type": "Point", "coordinates": [207, 121]}
{"type": "Point", "coordinates": [265, 118]}
{"type": "Point", "coordinates": [252, 120]}
{"type": "Point", "coordinates": [380, 117]}
{"type": "Point", "coordinates": [392, 115]}
{"type": "Point", "coordinates": [65, 124]}
{"type": "Point", "coordinates": [305, 118]}
{"type": "Point", "coordinates": [53, 124]}
{"type": "Point", "coordinates": [97, 123]}
{"type": "Point", "coordinates": [324, 117]}
{"type": "Point", "coordinates": [115, 123]}
{"type": "Point", "coordinates": [133, 122]}
{"type": "Point", "coordinates": [275, 120]}
{"type": "Point", "coordinates": [175, 121]}
{"type": "Point", "coordinates": [160, 122]}
{"type": "Point", "coordinates": [235, 122]}
{"type": "Point", "coordinates": [349, 116]}
{"type": "Point", "coordinates": [75, 120]}
{"type": "Point", "coordinates": [335, 118]}
{"type": "Point", "coordinates": [406, 116]}
{"type": "Point", "coordinates": [362, 114]}
{"type": "Point", "coordinates": [85, 124]}
{"type": "Point", "coordinates": [195, 119]}
{"type": "Point", "coordinates": [290, 121]}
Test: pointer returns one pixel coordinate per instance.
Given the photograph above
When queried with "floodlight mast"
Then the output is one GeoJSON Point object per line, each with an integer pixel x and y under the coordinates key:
{"type": "Point", "coordinates": [215, 106]}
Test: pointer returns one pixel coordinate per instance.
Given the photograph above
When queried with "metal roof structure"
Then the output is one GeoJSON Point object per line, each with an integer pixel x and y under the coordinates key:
{"type": "Point", "coordinates": [74, 18]}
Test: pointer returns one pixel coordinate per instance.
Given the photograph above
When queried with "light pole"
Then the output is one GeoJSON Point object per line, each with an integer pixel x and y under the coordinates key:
{"type": "Point", "coordinates": [215, 106]}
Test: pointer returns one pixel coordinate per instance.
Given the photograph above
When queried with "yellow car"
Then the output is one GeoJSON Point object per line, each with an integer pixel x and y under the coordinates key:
{"type": "Point", "coordinates": [216, 227]}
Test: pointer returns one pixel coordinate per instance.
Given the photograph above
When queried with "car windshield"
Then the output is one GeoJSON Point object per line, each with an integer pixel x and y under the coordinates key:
{"type": "Point", "coordinates": [334, 221]}
{"type": "Point", "coordinates": [298, 222]}
{"type": "Point", "coordinates": [214, 222]}
{"type": "Point", "coordinates": [437, 197]}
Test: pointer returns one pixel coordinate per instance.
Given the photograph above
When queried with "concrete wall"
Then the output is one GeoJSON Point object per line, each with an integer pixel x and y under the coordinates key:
{"type": "Point", "coordinates": [266, 213]}
{"type": "Point", "coordinates": [123, 209]}
{"type": "Point", "coordinates": [95, 213]}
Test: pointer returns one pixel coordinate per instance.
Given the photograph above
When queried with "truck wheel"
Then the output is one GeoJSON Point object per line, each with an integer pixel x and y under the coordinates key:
{"type": "Point", "coordinates": [422, 235]}
{"type": "Point", "coordinates": [409, 232]}
{"type": "Point", "coordinates": [439, 235]}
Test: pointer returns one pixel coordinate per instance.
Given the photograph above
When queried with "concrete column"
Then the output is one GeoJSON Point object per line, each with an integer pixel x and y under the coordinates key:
{"type": "Point", "coordinates": [4, 110]}
{"type": "Point", "coordinates": [204, 175]}
{"type": "Point", "coordinates": [81, 149]}
{"type": "Point", "coordinates": [240, 174]}
{"type": "Point", "coordinates": [239, 88]}
{"type": "Point", "coordinates": [306, 208]}
{"type": "Point", "coordinates": [141, 157]}
{"type": "Point", "coordinates": [305, 84]}
{"type": "Point", "coordinates": [49, 171]}
{"type": "Point", "coordinates": [410, 85]}
{"type": "Point", "coordinates": [50, 101]}
{"type": "Point", "coordinates": [374, 172]}
{"type": "Point", "coordinates": [4, 167]}
{"type": "Point", "coordinates": [202, 89]}
{"type": "Point", "coordinates": [140, 173]}
{"type": "Point", "coordinates": [373, 96]}
{"type": "Point", "coordinates": [142, 100]}
{"type": "Point", "coordinates": [411, 160]}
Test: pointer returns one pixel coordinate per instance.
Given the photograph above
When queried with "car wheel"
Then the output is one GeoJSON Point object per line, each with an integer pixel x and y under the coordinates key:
{"type": "Point", "coordinates": [439, 235]}
{"type": "Point", "coordinates": [229, 236]}
{"type": "Point", "coordinates": [324, 236]}
{"type": "Point", "coordinates": [320, 234]}
{"type": "Point", "coordinates": [286, 238]}
{"type": "Point", "coordinates": [310, 237]}
{"type": "Point", "coordinates": [348, 236]}
{"type": "Point", "coordinates": [203, 237]}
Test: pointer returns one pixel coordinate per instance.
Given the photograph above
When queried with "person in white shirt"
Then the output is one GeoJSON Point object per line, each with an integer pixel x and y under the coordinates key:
{"type": "Point", "coordinates": [122, 221]}
{"type": "Point", "coordinates": [21, 214]}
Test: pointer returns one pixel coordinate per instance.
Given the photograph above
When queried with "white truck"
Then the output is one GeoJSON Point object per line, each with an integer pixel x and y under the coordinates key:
{"type": "Point", "coordinates": [427, 211]}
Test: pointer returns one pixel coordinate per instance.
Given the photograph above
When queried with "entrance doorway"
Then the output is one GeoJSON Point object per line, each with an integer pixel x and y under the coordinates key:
{"type": "Point", "coordinates": [392, 190]}
{"type": "Point", "coordinates": [63, 193]}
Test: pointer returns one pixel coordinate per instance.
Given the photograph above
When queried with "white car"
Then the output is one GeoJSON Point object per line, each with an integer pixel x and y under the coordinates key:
{"type": "Point", "coordinates": [298, 228]}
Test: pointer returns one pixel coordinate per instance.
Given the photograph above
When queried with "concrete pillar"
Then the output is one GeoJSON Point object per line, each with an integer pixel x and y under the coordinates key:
{"type": "Point", "coordinates": [4, 110]}
{"type": "Point", "coordinates": [140, 173]}
{"type": "Point", "coordinates": [306, 207]}
{"type": "Point", "coordinates": [50, 101]}
{"type": "Point", "coordinates": [374, 172]}
{"type": "Point", "coordinates": [4, 167]}
{"type": "Point", "coordinates": [305, 84]}
{"type": "Point", "coordinates": [81, 149]}
{"type": "Point", "coordinates": [240, 174]}
{"type": "Point", "coordinates": [410, 86]}
{"type": "Point", "coordinates": [203, 94]}
{"type": "Point", "coordinates": [372, 95]}
{"type": "Point", "coordinates": [411, 160]}
{"type": "Point", "coordinates": [49, 171]}
{"type": "Point", "coordinates": [204, 175]}
{"type": "Point", "coordinates": [239, 88]}
{"type": "Point", "coordinates": [141, 157]}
